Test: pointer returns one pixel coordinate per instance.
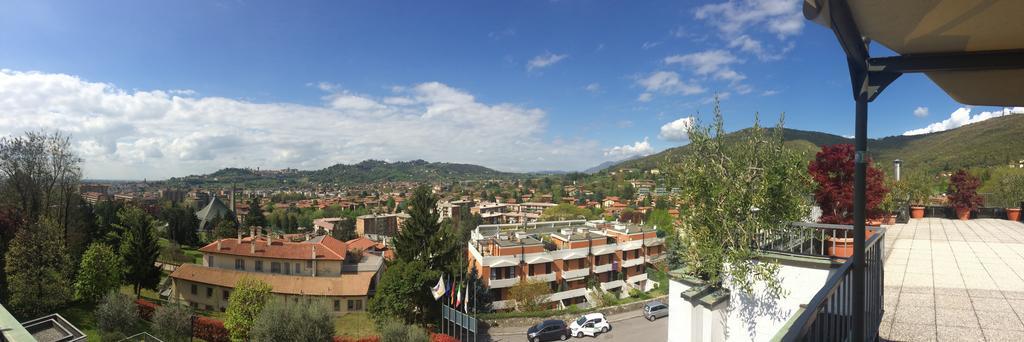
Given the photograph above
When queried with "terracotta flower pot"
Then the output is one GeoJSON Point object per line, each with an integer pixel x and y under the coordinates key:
{"type": "Point", "coordinates": [917, 212]}
{"type": "Point", "coordinates": [1013, 214]}
{"type": "Point", "coordinates": [873, 222]}
{"type": "Point", "coordinates": [843, 247]}
{"type": "Point", "coordinates": [963, 213]}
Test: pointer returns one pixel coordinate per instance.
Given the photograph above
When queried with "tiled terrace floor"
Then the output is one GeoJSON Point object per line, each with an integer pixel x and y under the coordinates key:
{"type": "Point", "coordinates": [952, 280]}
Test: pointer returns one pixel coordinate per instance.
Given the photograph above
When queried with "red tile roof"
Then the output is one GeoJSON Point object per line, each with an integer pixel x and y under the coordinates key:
{"type": "Point", "coordinates": [327, 248]}
{"type": "Point", "coordinates": [347, 284]}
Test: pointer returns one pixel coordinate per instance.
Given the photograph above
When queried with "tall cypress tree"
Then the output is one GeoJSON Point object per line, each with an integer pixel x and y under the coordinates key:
{"type": "Point", "coordinates": [139, 248]}
{"type": "Point", "coordinates": [255, 217]}
{"type": "Point", "coordinates": [422, 237]}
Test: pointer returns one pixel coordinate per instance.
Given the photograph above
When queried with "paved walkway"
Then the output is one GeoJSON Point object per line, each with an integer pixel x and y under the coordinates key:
{"type": "Point", "coordinates": [953, 280]}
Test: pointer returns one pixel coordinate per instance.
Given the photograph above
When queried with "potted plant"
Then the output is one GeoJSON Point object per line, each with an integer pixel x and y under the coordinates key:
{"type": "Point", "coordinates": [917, 192]}
{"type": "Point", "coordinates": [963, 193]}
{"type": "Point", "coordinates": [889, 206]}
{"type": "Point", "coordinates": [1009, 193]}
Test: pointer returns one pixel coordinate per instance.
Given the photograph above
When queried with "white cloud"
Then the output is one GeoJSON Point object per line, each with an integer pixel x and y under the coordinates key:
{"type": "Point", "coordinates": [737, 21]}
{"type": "Point", "coordinates": [678, 32]}
{"type": "Point", "coordinates": [666, 82]}
{"type": "Point", "coordinates": [544, 61]}
{"type": "Point", "coordinates": [921, 112]}
{"type": "Point", "coordinates": [769, 92]}
{"type": "Point", "coordinates": [678, 130]}
{"type": "Point", "coordinates": [639, 148]}
{"type": "Point", "coordinates": [648, 45]}
{"type": "Point", "coordinates": [962, 116]}
{"type": "Point", "coordinates": [645, 97]}
{"type": "Point", "coordinates": [593, 87]}
{"type": "Point", "coordinates": [158, 134]}
{"type": "Point", "coordinates": [704, 62]}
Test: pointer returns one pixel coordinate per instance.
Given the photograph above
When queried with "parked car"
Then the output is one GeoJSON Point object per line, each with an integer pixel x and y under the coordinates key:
{"type": "Point", "coordinates": [548, 330]}
{"type": "Point", "coordinates": [654, 310]}
{"type": "Point", "coordinates": [590, 325]}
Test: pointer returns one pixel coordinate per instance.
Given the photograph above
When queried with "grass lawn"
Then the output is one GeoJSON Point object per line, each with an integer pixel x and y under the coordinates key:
{"type": "Point", "coordinates": [196, 255]}
{"type": "Point", "coordinates": [354, 325]}
{"type": "Point", "coordinates": [81, 315]}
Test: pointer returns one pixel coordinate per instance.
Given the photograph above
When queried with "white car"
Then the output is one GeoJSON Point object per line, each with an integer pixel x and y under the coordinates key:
{"type": "Point", "coordinates": [590, 325]}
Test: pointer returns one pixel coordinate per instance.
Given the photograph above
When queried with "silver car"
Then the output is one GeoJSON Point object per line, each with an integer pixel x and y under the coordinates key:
{"type": "Point", "coordinates": [654, 310]}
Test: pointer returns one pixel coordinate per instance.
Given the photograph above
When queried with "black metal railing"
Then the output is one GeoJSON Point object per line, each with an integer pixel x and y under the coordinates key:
{"type": "Point", "coordinates": [813, 239]}
{"type": "Point", "coordinates": [829, 315]}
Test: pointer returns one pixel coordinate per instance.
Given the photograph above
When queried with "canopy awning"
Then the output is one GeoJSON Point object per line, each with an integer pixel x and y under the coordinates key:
{"type": "Point", "coordinates": [973, 50]}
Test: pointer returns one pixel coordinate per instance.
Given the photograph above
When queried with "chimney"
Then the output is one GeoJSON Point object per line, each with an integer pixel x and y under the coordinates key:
{"type": "Point", "coordinates": [314, 252]}
{"type": "Point", "coordinates": [896, 166]}
{"type": "Point", "coordinates": [270, 237]}
{"type": "Point", "coordinates": [252, 247]}
{"type": "Point", "coordinates": [218, 244]}
{"type": "Point", "coordinates": [239, 236]}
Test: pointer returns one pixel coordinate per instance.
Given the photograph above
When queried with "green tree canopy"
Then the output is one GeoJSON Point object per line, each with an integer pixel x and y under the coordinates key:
{"type": "Point", "coordinates": [172, 323]}
{"type": "Point", "coordinates": [255, 217]}
{"type": "Point", "coordinates": [291, 321]}
{"type": "Point", "coordinates": [565, 211]}
{"type": "Point", "coordinates": [402, 293]}
{"type": "Point", "coordinates": [116, 315]}
{"type": "Point", "coordinates": [736, 189]}
{"type": "Point", "coordinates": [422, 237]}
{"type": "Point", "coordinates": [140, 249]}
{"type": "Point", "coordinates": [38, 270]}
{"type": "Point", "coordinates": [99, 272]}
{"type": "Point", "coordinates": [244, 305]}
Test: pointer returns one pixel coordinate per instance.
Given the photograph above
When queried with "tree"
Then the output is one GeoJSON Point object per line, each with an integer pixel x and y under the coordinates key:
{"type": "Point", "coordinates": [963, 190]}
{"type": "Point", "coordinates": [255, 217]}
{"type": "Point", "coordinates": [565, 211]}
{"type": "Point", "coordinates": [736, 189]}
{"type": "Point", "coordinates": [140, 249]}
{"type": "Point", "coordinates": [291, 321]}
{"type": "Point", "coordinates": [833, 171]}
{"type": "Point", "coordinates": [181, 225]}
{"type": "Point", "coordinates": [422, 237]}
{"type": "Point", "coordinates": [401, 293]}
{"type": "Point", "coordinates": [345, 230]}
{"type": "Point", "coordinates": [99, 273]}
{"type": "Point", "coordinates": [107, 223]}
{"type": "Point", "coordinates": [482, 300]}
{"type": "Point", "coordinates": [10, 223]}
{"type": "Point", "coordinates": [42, 171]}
{"type": "Point", "coordinates": [116, 313]}
{"type": "Point", "coordinates": [661, 219]}
{"type": "Point", "coordinates": [530, 295]}
{"type": "Point", "coordinates": [244, 305]}
{"type": "Point", "coordinates": [38, 270]}
{"type": "Point", "coordinates": [172, 322]}
{"type": "Point", "coordinates": [225, 228]}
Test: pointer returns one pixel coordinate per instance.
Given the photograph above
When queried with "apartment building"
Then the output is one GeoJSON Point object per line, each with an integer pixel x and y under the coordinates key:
{"type": "Point", "coordinates": [381, 225]}
{"type": "Point", "coordinates": [565, 254]}
{"type": "Point", "coordinates": [320, 268]}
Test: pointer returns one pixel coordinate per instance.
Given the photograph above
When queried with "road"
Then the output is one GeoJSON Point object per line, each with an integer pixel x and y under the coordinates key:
{"type": "Point", "coordinates": [633, 329]}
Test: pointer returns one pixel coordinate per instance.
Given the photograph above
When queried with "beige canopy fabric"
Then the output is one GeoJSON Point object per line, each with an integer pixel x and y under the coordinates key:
{"type": "Point", "coordinates": [923, 27]}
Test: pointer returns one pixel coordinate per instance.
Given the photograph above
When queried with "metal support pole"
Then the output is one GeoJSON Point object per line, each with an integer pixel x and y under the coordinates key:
{"type": "Point", "coordinates": [859, 206]}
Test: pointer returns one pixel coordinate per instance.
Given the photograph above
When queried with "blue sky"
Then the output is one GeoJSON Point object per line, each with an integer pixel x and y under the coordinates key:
{"type": "Point", "coordinates": [159, 89]}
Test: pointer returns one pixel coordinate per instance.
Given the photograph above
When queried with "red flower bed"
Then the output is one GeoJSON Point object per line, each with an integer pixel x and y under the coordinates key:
{"type": "Point", "coordinates": [210, 329]}
{"type": "Point", "coordinates": [146, 309]}
{"type": "Point", "coordinates": [435, 337]}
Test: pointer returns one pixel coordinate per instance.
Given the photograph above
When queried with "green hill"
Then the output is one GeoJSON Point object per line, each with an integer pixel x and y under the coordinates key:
{"type": "Point", "coordinates": [997, 141]}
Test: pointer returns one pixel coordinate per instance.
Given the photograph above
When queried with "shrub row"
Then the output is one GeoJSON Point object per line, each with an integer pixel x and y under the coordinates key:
{"type": "Point", "coordinates": [210, 329]}
{"type": "Point", "coordinates": [146, 309]}
{"type": "Point", "coordinates": [434, 337]}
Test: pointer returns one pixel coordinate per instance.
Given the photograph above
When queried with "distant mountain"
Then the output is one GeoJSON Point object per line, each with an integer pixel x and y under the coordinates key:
{"type": "Point", "coordinates": [607, 164]}
{"type": "Point", "coordinates": [365, 172]}
{"type": "Point", "coordinates": [997, 141]}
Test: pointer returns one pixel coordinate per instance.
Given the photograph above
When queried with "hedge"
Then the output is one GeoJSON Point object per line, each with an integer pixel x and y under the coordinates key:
{"type": "Point", "coordinates": [210, 329]}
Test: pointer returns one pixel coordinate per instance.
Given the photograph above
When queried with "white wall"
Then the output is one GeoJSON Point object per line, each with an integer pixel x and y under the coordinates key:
{"type": "Point", "coordinates": [749, 317]}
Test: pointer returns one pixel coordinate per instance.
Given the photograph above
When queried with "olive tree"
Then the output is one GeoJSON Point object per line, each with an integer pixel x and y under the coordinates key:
{"type": "Point", "coordinates": [738, 186]}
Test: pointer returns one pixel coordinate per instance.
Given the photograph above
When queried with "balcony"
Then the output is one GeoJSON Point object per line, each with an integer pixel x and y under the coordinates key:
{"type": "Point", "coordinates": [575, 274]}
{"type": "Point", "coordinates": [502, 283]}
{"type": "Point", "coordinates": [614, 284]}
{"type": "Point", "coordinates": [636, 278]}
{"type": "Point", "coordinates": [602, 268]}
{"type": "Point", "coordinates": [632, 262]}
{"type": "Point", "coordinates": [567, 294]}
{"type": "Point", "coordinates": [542, 277]}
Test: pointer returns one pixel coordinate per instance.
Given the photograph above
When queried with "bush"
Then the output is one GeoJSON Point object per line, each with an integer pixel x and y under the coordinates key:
{"type": "Point", "coordinates": [530, 295]}
{"type": "Point", "coordinates": [146, 309]}
{"type": "Point", "coordinates": [210, 330]}
{"type": "Point", "coordinates": [98, 273]}
{"type": "Point", "coordinates": [354, 339]}
{"type": "Point", "coordinates": [173, 254]}
{"type": "Point", "coordinates": [293, 321]}
{"type": "Point", "coordinates": [395, 331]}
{"type": "Point", "coordinates": [434, 337]}
{"type": "Point", "coordinates": [963, 191]}
{"type": "Point", "coordinates": [116, 313]}
{"type": "Point", "coordinates": [636, 293]}
{"type": "Point", "coordinates": [171, 322]}
{"type": "Point", "coordinates": [244, 306]}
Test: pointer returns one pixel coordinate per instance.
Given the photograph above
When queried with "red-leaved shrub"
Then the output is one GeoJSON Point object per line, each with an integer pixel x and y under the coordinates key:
{"type": "Point", "coordinates": [435, 337]}
{"type": "Point", "coordinates": [146, 309]}
{"type": "Point", "coordinates": [963, 191]}
{"type": "Point", "coordinates": [833, 171]}
{"type": "Point", "coordinates": [210, 329]}
{"type": "Point", "coordinates": [356, 339]}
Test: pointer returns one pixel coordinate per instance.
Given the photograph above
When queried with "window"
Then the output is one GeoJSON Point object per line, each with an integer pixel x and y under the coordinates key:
{"type": "Point", "coordinates": [259, 266]}
{"type": "Point", "coordinates": [240, 264]}
{"type": "Point", "coordinates": [531, 269]}
{"type": "Point", "coordinates": [337, 305]}
{"type": "Point", "coordinates": [287, 268]}
{"type": "Point", "coordinates": [275, 267]}
{"type": "Point", "coordinates": [297, 270]}
{"type": "Point", "coordinates": [195, 289]}
{"type": "Point", "coordinates": [226, 294]}
{"type": "Point", "coordinates": [309, 263]}
{"type": "Point", "coordinates": [209, 261]}
{"type": "Point", "coordinates": [355, 305]}
{"type": "Point", "coordinates": [209, 292]}
{"type": "Point", "coordinates": [359, 305]}
{"type": "Point", "coordinates": [547, 268]}
{"type": "Point", "coordinates": [581, 263]}
{"type": "Point", "coordinates": [638, 269]}
{"type": "Point", "coordinates": [494, 273]}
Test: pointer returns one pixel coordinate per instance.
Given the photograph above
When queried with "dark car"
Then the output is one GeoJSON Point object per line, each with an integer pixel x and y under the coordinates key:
{"type": "Point", "coordinates": [549, 330]}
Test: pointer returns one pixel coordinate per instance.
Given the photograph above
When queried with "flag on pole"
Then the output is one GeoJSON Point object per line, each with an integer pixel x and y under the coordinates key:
{"type": "Point", "coordinates": [458, 297]}
{"type": "Point", "coordinates": [439, 289]}
{"type": "Point", "coordinates": [465, 303]}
